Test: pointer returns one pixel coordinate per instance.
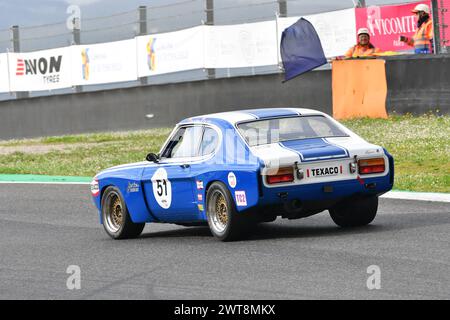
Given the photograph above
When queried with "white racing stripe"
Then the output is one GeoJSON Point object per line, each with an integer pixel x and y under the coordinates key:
{"type": "Point", "coordinates": [275, 156]}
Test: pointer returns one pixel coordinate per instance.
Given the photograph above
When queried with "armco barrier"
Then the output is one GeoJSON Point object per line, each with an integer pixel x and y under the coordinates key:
{"type": "Point", "coordinates": [126, 109]}
{"type": "Point", "coordinates": [416, 84]}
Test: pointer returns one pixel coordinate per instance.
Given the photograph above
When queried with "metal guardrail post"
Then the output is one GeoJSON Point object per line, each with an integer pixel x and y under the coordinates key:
{"type": "Point", "coordinates": [282, 8]}
{"type": "Point", "coordinates": [436, 26]}
{"type": "Point", "coordinates": [443, 8]}
{"type": "Point", "coordinates": [76, 40]}
{"type": "Point", "coordinates": [210, 21]}
{"type": "Point", "coordinates": [143, 31]}
{"type": "Point", "coordinates": [16, 48]}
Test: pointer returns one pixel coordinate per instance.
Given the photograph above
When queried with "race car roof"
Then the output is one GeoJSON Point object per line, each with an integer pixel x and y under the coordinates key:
{"type": "Point", "coordinates": [234, 117]}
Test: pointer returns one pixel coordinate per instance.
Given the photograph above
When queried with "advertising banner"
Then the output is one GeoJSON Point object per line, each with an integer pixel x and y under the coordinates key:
{"type": "Point", "coordinates": [387, 23]}
{"type": "Point", "coordinates": [104, 62]}
{"type": "Point", "coordinates": [170, 52]}
{"type": "Point", "coordinates": [242, 45]}
{"type": "Point", "coordinates": [444, 9]}
{"type": "Point", "coordinates": [40, 70]}
{"type": "Point", "coordinates": [336, 30]}
{"type": "Point", "coordinates": [4, 77]}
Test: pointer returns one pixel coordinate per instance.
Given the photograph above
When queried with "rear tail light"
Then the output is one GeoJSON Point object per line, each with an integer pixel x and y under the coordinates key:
{"type": "Point", "coordinates": [95, 190]}
{"type": "Point", "coordinates": [283, 175]}
{"type": "Point", "coordinates": [369, 166]}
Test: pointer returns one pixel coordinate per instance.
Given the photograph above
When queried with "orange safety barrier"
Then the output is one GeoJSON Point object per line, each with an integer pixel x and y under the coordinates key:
{"type": "Point", "coordinates": [359, 88]}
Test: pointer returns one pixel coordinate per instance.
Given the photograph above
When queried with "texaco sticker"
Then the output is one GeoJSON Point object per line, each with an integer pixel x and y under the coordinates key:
{"type": "Point", "coordinates": [232, 180]}
{"type": "Point", "coordinates": [162, 188]}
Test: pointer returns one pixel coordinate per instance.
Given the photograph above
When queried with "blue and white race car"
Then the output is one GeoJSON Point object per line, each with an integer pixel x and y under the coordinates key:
{"type": "Point", "coordinates": [234, 169]}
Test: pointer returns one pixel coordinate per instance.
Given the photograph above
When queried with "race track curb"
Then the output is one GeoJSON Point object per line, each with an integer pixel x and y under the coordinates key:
{"type": "Point", "coordinates": [418, 196]}
{"type": "Point", "coordinates": [43, 179]}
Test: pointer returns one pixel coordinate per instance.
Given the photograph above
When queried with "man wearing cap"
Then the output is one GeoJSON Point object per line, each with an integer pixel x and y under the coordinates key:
{"type": "Point", "coordinates": [364, 48]}
{"type": "Point", "coordinates": [422, 41]}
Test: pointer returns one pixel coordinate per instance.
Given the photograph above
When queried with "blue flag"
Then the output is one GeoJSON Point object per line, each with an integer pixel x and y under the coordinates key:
{"type": "Point", "coordinates": [301, 50]}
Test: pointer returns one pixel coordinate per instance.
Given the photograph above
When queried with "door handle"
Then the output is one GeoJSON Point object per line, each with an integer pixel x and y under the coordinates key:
{"type": "Point", "coordinates": [185, 166]}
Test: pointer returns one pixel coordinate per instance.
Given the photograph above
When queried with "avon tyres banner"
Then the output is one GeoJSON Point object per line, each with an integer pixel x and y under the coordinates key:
{"type": "Point", "coordinates": [104, 62]}
{"type": "Point", "coordinates": [170, 52]}
{"type": "Point", "coordinates": [336, 30]}
{"type": "Point", "coordinates": [4, 78]}
{"type": "Point", "coordinates": [40, 70]}
{"type": "Point", "coordinates": [241, 45]}
{"type": "Point", "coordinates": [387, 23]}
{"type": "Point", "coordinates": [301, 50]}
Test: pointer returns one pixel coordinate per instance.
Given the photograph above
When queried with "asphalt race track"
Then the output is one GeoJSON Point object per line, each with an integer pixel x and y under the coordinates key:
{"type": "Point", "coordinates": [46, 228]}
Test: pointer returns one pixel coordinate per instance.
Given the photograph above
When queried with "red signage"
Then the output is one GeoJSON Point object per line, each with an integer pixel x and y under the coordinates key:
{"type": "Point", "coordinates": [444, 20]}
{"type": "Point", "coordinates": [387, 23]}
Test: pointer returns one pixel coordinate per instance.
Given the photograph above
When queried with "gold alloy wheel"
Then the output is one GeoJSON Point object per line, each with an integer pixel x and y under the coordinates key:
{"type": "Point", "coordinates": [114, 214]}
{"type": "Point", "coordinates": [218, 211]}
{"type": "Point", "coordinates": [221, 209]}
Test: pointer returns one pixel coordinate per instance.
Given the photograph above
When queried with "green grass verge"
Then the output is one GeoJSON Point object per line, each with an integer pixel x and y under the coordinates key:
{"type": "Point", "coordinates": [82, 155]}
{"type": "Point", "coordinates": [420, 146]}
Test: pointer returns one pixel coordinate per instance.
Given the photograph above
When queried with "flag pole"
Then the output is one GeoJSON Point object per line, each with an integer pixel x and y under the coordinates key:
{"type": "Point", "coordinates": [278, 42]}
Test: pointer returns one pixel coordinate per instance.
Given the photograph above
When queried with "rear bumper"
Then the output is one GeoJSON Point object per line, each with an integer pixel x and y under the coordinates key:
{"type": "Point", "coordinates": [306, 200]}
{"type": "Point", "coordinates": [330, 192]}
{"type": "Point", "coordinates": [337, 190]}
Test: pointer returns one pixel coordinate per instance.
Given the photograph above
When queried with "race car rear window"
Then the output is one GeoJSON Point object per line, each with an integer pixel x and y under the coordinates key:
{"type": "Point", "coordinates": [260, 132]}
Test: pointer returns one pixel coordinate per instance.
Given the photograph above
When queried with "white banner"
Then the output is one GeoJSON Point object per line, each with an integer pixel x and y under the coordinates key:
{"type": "Point", "coordinates": [4, 77]}
{"type": "Point", "coordinates": [40, 70]}
{"type": "Point", "coordinates": [170, 52]}
{"type": "Point", "coordinates": [232, 46]}
{"type": "Point", "coordinates": [104, 62]}
{"type": "Point", "coordinates": [242, 45]}
{"type": "Point", "coordinates": [336, 30]}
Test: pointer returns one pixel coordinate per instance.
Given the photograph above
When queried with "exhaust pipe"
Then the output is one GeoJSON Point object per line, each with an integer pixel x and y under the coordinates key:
{"type": "Point", "coordinates": [293, 207]}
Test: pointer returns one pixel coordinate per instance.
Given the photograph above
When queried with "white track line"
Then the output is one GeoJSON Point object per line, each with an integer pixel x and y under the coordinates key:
{"type": "Point", "coordinates": [418, 196]}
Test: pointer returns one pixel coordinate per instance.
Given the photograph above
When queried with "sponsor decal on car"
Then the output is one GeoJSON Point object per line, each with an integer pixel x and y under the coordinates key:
{"type": "Point", "coordinates": [232, 180]}
{"type": "Point", "coordinates": [241, 198]}
{"type": "Point", "coordinates": [162, 188]}
{"type": "Point", "coordinates": [199, 185]}
{"type": "Point", "coordinates": [324, 171]}
{"type": "Point", "coordinates": [95, 189]}
{"type": "Point", "coordinates": [200, 197]}
{"type": "Point", "coordinates": [132, 187]}
{"type": "Point", "coordinates": [200, 207]}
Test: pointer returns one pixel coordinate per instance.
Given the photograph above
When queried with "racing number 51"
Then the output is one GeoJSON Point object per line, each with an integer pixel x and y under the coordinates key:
{"type": "Point", "coordinates": [161, 186]}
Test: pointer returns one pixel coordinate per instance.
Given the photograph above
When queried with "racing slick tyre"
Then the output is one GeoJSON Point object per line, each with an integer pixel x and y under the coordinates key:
{"type": "Point", "coordinates": [355, 213]}
{"type": "Point", "coordinates": [225, 223]}
{"type": "Point", "coordinates": [115, 216]}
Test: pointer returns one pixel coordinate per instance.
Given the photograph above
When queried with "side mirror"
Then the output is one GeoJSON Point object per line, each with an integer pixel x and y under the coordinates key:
{"type": "Point", "coordinates": [152, 157]}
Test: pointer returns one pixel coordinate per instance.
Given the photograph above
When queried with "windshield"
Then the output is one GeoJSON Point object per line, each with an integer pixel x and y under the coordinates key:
{"type": "Point", "coordinates": [282, 129]}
